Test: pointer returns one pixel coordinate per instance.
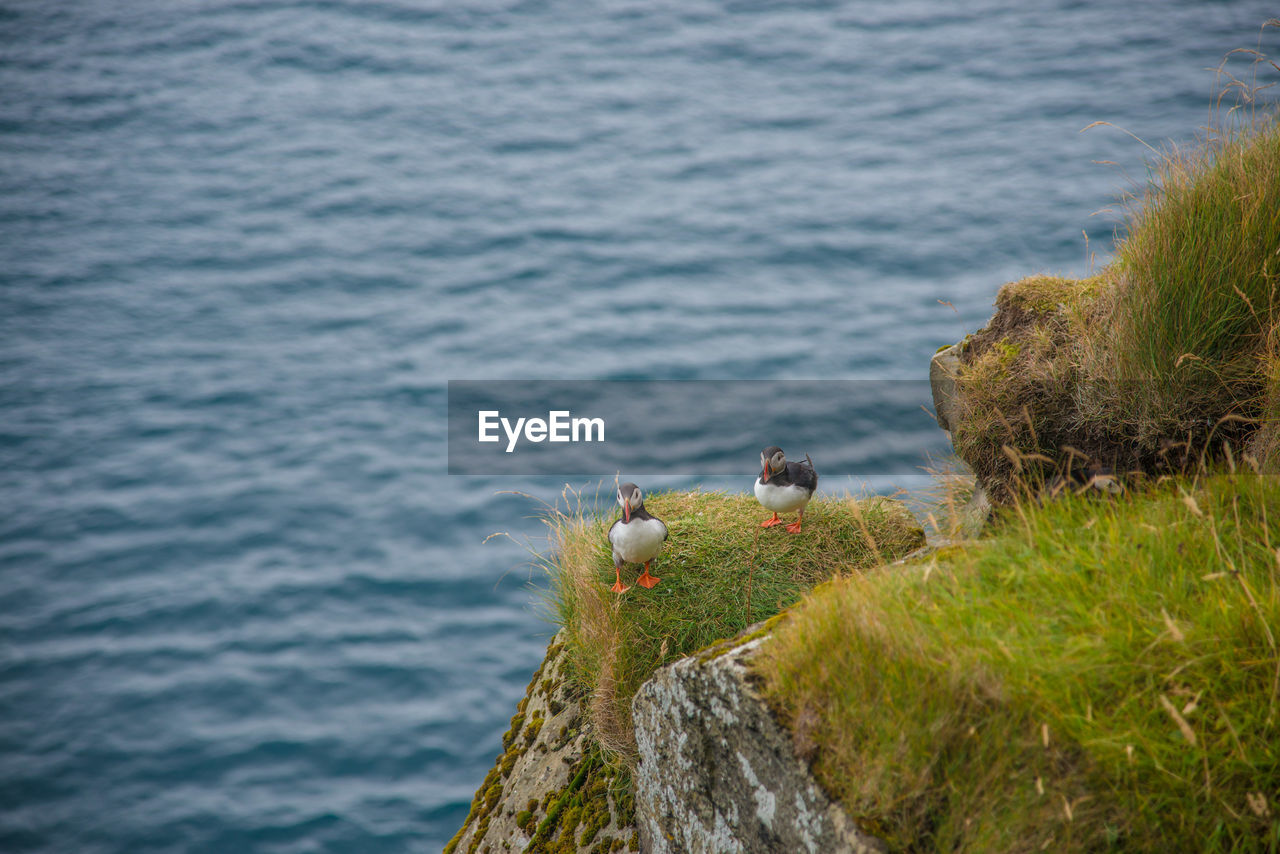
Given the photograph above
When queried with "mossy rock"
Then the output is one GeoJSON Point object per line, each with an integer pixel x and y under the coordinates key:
{"type": "Point", "coordinates": [1017, 386]}
{"type": "Point", "coordinates": [1166, 362]}
{"type": "Point", "coordinates": [1043, 295]}
{"type": "Point", "coordinates": [550, 790]}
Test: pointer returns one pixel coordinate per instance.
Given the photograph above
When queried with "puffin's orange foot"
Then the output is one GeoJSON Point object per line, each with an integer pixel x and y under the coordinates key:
{"type": "Point", "coordinates": [769, 523]}
{"type": "Point", "coordinates": [647, 581]}
{"type": "Point", "coordinates": [619, 587]}
{"type": "Point", "coordinates": [794, 527]}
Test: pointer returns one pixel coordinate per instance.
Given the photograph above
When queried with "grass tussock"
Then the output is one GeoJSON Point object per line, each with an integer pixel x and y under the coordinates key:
{"type": "Point", "coordinates": [1197, 292]}
{"type": "Point", "coordinates": [1199, 269]}
{"type": "Point", "coordinates": [1021, 376]}
{"type": "Point", "coordinates": [1097, 676]}
{"type": "Point", "coordinates": [720, 573]}
{"type": "Point", "coordinates": [1170, 349]}
{"type": "Point", "coordinates": [1265, 444]}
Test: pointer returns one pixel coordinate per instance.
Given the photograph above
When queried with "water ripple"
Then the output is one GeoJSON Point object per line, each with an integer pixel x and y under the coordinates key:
{"type": "Point", "coordinates": [242, 608]}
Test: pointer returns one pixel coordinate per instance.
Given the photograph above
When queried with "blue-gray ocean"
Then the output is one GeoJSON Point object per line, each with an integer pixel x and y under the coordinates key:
{"type": "Point", "coordinates": [244, 245]}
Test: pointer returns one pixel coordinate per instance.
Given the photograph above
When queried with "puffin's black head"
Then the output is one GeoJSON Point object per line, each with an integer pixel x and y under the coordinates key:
{"type": "Point", "coordinates": [772, 462]}
{"type": "Point", "coordinates": [631, 498]}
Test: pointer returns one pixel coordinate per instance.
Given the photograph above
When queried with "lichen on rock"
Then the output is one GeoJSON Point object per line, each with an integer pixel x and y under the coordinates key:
{"type": "Point", "coordinates": [551, 790]}
{"type": "Point", "coordinates": [717, 773]}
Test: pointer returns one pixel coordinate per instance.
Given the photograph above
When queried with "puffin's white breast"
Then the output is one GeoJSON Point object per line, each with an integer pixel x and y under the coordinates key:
{"type": "Point", "coordinates": [782, 499]}
{"type": "Point", "coordinates": [638, 540]}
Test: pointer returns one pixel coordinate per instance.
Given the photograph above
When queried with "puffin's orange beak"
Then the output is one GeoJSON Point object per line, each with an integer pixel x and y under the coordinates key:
{"type": "Point", "coordinates": [626, 510]}
{"type": "Point", "coordinates": [764, 475]}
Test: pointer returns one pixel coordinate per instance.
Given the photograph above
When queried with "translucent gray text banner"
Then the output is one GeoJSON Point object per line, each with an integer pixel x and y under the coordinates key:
{"type": "Point", "coordinates": [861, 428]}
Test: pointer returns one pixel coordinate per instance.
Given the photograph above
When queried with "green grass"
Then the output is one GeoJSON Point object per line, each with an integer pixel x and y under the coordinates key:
{"type": "Point", "coordinates": [1095, 676]}
{"type": "Point", "coordinates": [1199, 281]}
{"type": "Point", "coordinates": [1204, 241]}
{"type": "Point", "coordinates": [1170, 350]}
{"type": "Point", "coordinates": [720, 572]}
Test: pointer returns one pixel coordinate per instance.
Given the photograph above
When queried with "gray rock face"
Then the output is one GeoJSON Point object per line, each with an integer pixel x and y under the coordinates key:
{"type": "Point", "coordinates": [549, 761]}
{"type": "Point", "coordinates": [943, 369]}
{"type": "Point", "coordinates": [717, 773]}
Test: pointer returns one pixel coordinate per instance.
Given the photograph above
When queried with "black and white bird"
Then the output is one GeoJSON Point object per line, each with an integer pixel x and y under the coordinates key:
{"type": "Point", "coordinates": [637, 537]}
{"type": "Point", "coordinates": [1094, 479]}
{"type": "Point", "coordinates": [783, 486]}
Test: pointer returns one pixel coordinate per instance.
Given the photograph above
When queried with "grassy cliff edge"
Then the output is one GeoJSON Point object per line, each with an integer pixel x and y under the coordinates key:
{"type": "Point", "coordinates": [1097, 675]}
{"type": "Point", "coordinates": [720, 573]}
{"type": "Point", "coordinates": [1092, 674]}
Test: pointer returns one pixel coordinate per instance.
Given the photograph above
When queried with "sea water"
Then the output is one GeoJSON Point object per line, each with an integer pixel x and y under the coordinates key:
{"type": "Point", "coordinates": [244, 245]}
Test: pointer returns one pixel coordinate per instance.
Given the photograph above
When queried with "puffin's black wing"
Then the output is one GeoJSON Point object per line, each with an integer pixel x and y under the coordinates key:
{"type": "Point", "coordinates": [803, 474]}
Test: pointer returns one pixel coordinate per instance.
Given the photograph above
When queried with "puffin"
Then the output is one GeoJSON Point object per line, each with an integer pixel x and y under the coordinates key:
{"type": "Point", "coordinates": [783, 486]}
{"type": "Point", "coordinates": [1094, 479]}
{"type": "Point", "coordinates": [637, 537]}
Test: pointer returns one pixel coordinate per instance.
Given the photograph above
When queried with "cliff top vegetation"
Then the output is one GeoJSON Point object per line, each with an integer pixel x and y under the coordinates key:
{"type": "Point", "coordinates": [1172, 348]}
{"type": "Point", "coordinates": [720, 572]}
{"type": "Point", "coordinates": [1096, 675]}
{"type": "Point", "coordinates": [1092, 674]}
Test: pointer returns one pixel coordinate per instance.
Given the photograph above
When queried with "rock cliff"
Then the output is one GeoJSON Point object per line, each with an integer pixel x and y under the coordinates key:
{"type": "Point", "coordinates": [550, 790]}
{"type": "Point", "coordinates": [718, 775]}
